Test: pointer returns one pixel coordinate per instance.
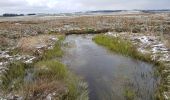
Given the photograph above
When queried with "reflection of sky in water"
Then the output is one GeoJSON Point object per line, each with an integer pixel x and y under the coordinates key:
{"type": "Point", "coordinates": [107, 73]}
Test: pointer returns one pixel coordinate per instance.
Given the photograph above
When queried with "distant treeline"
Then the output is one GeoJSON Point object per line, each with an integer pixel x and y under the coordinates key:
{"type": "Point", "coordinates": [104, 11]}
{"type": "Point", "coordinates": [155, 11]}
{"type": "Point", "coordinates": [145, 11]}
{"type": "Point", "coordinates": [13, 15]}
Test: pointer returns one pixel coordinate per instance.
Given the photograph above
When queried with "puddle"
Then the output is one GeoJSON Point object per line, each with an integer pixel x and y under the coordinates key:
{"type": "Point", "coordinates": [108, 75]}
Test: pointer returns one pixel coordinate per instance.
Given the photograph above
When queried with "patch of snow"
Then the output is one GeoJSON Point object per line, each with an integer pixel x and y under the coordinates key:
{"type": "Point", "coordinates": [30, 60]}
{"type": "Point", "coordinates": [50, 47]}
{"type": "Point", "coordinates": [159, 48]}
{"type": "Point", "coordinates": [166, 97]}
{"type": "Point", "coordinates": [112, 34]}
{"type": "Point", "coordinates": [49, 97]}
{"type": "Point", "coordinates": [41, 46]}
{"type": "Point", "coordinates": [165, 57]}
{"type": "Point", "coordinates": [54, 38]}
{"type": "Point", "coordinates": [142, 50]}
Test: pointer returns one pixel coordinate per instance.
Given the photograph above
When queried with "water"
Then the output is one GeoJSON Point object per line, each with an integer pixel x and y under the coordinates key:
{"type": "Point", "coordinates": [108, 75]}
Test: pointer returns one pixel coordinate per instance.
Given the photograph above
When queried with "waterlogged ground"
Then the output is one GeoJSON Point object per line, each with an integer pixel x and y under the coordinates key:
{"type": "Point", "coordinates": [109, 76]}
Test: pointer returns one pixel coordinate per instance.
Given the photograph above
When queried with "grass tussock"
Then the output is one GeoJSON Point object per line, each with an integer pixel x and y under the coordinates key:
{"type": "Point", "coordinates": [56, 51]}
{"type": "Point", "coordinates": [13, 78]}
{"type": "Point", "coordinates": [40, 90]}
{"type": "Point", "coordinates": [120, 46]}
{"type": "Point", "coordinates": [49, 69]}
{"type": "Point", "coordinates": [53, 76]}
{"type": "Point", "coordinates": [29, 45]}
{"type": "Point", "coordinates": [78, 89]}
{"type": "Point", "coordinates": [129, 94]}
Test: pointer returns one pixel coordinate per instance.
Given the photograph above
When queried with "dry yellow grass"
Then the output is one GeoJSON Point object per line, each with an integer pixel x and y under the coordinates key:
{"type": "Point", "coordinates": [32, 43]}
{"type": "Point", "coordinates": [45, 88]}
{"type": "Point", "coordinates": [4, 41]}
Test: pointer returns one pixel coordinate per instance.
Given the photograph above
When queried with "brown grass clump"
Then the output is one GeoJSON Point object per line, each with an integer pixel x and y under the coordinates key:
{"type": "Point", "coordinates": [3, 41]}
{"type": "Point", "coordinates": [167, 40]}
{"type": "Point", "coordinates": [31, 44]}
{"type": "Point", "coordinates": [41, 89]}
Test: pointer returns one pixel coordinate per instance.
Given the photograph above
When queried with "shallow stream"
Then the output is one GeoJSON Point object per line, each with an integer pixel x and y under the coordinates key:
{"type": "Point", "coordinates": [110, 76]}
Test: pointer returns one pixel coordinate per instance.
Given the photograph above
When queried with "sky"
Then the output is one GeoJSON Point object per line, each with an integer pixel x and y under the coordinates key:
{"type": "Point", "coordinates": [59, 6]}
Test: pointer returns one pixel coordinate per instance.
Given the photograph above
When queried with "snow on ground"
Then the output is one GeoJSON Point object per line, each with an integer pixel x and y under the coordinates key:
{"type": "Point", "coordinates": [146, 44]}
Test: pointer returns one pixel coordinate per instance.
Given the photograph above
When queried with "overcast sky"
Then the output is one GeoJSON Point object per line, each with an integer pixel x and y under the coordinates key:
{"type": "Point", "coordinates": [57, 6]}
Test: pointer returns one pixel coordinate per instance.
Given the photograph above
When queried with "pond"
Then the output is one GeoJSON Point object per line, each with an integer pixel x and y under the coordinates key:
{"type": "Point", "coordinates": [109, 76]}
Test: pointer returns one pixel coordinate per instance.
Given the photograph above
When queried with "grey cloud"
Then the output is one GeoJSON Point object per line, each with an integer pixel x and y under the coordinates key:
{"type": "Point", "coordinates": [11, 3]}
{"type": "Point", "coordinates": [53, 6]}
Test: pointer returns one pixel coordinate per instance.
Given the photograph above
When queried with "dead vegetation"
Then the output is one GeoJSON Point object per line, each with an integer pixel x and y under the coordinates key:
{"type": "Point", "coordinates": [33, 43]}
{"type": "Point", "coordinates": [154, 24]}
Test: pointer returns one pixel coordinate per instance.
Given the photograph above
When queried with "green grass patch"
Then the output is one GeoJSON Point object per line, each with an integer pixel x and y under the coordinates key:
{"type": "Point", "coordinates": [129, 94]}
{"type": "Point", "coordinates": [13, 78]}
{"type": "Point", "coordinates": [56, 51]}
{"type": "Point", "coordinates": [120, 46]}
{"type": "Point", "coordinates": [50, 69]}
{"type": "Point", "coordinates": [52, 75]}
{"type": "Point", "coordinates": [78, 89]}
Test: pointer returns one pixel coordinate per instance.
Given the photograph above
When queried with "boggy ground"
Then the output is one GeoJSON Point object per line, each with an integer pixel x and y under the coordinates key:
{"type": "Point", "coordinates": [26, 40]}
{"type": "Point", "coordinates": [42, 77]}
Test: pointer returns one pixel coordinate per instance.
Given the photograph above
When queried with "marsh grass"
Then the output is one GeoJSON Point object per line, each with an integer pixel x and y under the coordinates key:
{"type": "Point", "coordinates": [120, 46]}
{"type": "Point", "coordinates": [129, 94]}
{"type": "Point", "coordinates": [13, 78]}
{"type": "Point", "coordinates": [51, 76]}
{"type": "Point", "coordinates": [56, 51]}
{"type": "Point", "coordinates": [78, 89]}
{"type": "Point", "coordinates": [50, 69]}
{"type": "Point", "coordinates": [39, 89]}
